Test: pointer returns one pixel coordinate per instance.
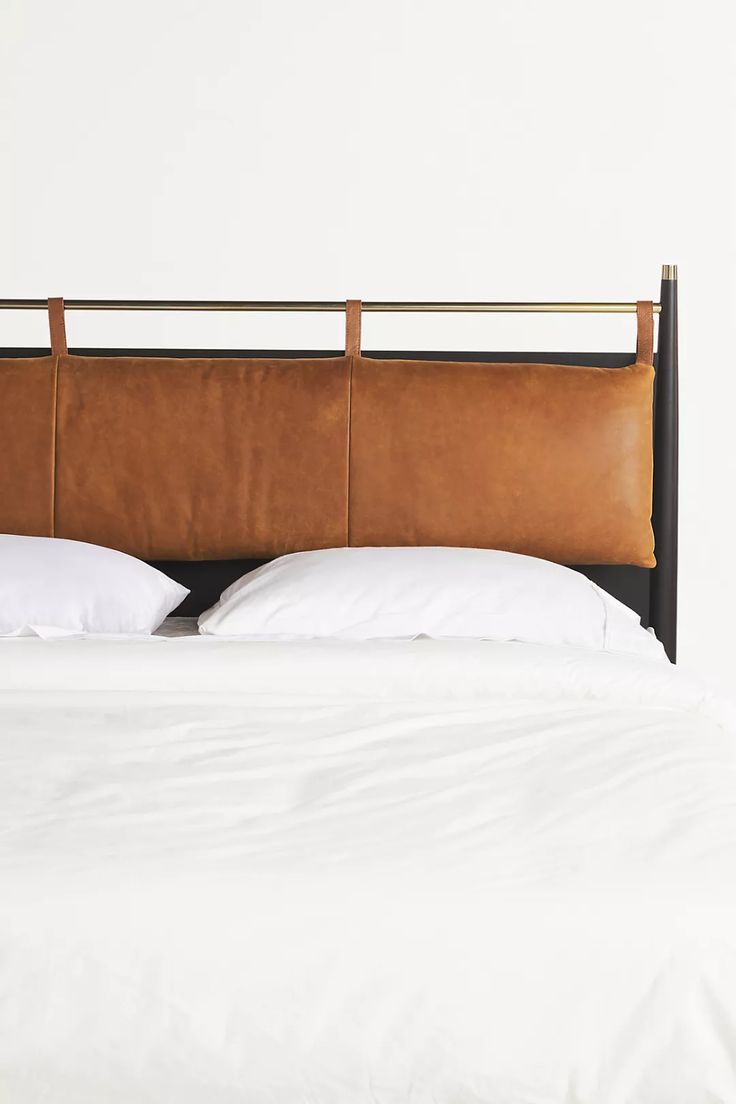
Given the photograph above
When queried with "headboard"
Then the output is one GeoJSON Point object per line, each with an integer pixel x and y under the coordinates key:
{"type": "Point", "coordinates": [651, 591]}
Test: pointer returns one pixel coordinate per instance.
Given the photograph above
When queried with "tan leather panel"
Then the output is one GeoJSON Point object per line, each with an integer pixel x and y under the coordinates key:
{"type": "Point", "coordinates": [203, 459]}
{"type": "Point", "coordinates": [548, 460]}
{"type": "Point", "coordinates": [27, 401]}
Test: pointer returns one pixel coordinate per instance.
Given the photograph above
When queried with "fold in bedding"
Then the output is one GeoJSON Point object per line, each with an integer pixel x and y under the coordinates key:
{"type": "Point", "coordinates": [429, 872]}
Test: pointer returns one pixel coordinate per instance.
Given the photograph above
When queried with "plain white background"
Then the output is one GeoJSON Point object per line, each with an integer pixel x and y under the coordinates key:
{"type": "Point", "coordinates": [391, 149]}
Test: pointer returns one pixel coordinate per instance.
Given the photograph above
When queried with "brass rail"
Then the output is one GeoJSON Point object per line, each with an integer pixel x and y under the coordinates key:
{"type": "Point", "coordinates": [322, 306]}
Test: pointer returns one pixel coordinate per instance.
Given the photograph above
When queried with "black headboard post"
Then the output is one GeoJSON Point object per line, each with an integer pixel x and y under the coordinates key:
{"type": "Point", "coordinates": [663, 592]}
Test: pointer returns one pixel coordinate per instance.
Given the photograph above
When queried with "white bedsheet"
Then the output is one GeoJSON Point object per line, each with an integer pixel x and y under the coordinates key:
{"type": "Point", "coordinates": [434, 872]}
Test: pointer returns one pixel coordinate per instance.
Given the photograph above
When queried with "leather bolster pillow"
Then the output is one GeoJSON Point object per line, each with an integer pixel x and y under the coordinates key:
{"type": "Point", "coordinates": [180, 459]}
{"type": "Point", "coordinates": [213, 459]}
{"type": "Point", "coordinates": [553, 461]}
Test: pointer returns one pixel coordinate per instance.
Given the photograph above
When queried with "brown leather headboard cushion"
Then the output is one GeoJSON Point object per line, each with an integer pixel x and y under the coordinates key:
{"type": "Point", "coordinates": [202, 459]}
{"type": "Point", "coordinates": [220, 458]}
{"type": "Point", "coordinates": [548, 460]}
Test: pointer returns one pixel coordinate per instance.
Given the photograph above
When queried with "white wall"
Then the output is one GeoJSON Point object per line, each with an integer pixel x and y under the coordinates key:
{"type": "Point", "coordinates": [391, 149]}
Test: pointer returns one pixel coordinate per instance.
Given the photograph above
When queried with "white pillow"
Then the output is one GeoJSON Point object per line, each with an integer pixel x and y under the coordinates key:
{"type": "Point", "coordinates": [49, 585]}
{"type": "Point", "coordinates": [367, 593]}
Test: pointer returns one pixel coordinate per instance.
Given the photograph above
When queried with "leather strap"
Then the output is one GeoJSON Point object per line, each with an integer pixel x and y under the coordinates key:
{"type": "Point", "coordinates": [645, 332]}
{"type": "Point", "coordinates": [57, 329]}
{"type": "Point", "coordinates": [352, 327]}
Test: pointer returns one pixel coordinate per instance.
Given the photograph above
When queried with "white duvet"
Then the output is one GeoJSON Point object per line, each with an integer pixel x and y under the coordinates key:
{"type": "Point", "coordinates": [389, 873]}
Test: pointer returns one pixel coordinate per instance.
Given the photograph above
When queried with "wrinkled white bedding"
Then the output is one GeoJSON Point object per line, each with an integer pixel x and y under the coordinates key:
{"type": "Point", "coordinates": [429, 872]}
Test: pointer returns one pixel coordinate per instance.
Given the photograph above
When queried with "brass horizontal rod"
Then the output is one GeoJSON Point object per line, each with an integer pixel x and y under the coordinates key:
{"type": "Point", "coordinates": [323, 306]}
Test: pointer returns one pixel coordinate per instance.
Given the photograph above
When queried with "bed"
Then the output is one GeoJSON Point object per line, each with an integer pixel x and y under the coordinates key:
{"type": "Point", "coordinates": [386, 871]}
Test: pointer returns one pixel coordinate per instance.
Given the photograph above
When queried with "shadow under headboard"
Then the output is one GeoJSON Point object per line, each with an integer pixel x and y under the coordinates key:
{"type": "Point", "coordinates": [651, 592]}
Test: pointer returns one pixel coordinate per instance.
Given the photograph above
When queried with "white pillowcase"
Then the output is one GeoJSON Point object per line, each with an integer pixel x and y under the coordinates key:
{"type": "Point", "coordinates": [50, 586]}
{"type": "Point", "coordinates": [369, 593]}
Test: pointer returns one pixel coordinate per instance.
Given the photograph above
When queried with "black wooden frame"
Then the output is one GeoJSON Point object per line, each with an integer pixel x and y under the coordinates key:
{"type": "Point", "coordinates": [651, 592]}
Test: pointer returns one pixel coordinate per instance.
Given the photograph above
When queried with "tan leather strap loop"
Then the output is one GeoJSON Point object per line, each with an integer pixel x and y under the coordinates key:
{"type": "Point", "coordinates": [57, 329]}
{"type": "Point", "coordinates": [352, 327]}
{"type": "Point", "coordinates": [645, 332]}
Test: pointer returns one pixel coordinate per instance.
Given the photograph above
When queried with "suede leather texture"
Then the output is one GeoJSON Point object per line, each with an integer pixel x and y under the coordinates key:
{"type": "Point", "coordinates": [27, 432]}
{"type": "Point", "coordinates": [203, 459]}
{"type": "Point", "coordinates": [218, 459]}
{"type": "Point", "coordinates": [552, 461]}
